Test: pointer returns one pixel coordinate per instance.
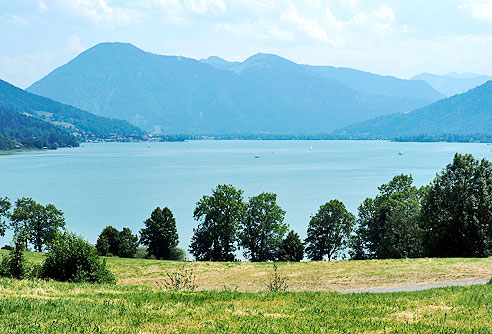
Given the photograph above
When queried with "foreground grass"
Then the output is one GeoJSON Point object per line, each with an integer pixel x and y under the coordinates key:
{"type": "Point", "coordinates": [311, 276]}
{"type": "Point", "coordinates": [51, 307]}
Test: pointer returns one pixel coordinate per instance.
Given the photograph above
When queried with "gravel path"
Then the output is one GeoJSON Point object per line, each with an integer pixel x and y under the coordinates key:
{"type": "Point", "coordinates": [418, 287]}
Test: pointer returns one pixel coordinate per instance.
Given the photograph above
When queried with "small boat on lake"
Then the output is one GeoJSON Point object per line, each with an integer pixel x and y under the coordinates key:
{"type": "Point", "coordinates": [400, 153]}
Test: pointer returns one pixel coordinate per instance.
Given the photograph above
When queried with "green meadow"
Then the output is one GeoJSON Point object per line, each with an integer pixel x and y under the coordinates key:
{"type": "Point", "coordinates": [232, 298]}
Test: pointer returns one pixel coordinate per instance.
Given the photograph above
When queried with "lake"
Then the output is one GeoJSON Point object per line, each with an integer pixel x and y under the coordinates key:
{"type": "Point", "coordinates": [120, 184]}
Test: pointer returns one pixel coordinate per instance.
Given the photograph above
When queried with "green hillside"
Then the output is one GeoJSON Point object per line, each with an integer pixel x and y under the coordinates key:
{"type": "Point", "coordinates": [20, 131]}
{"type": "Point", "coordinates": [465, 114]}
{"type": "Point", "coordinates": [75, 120]}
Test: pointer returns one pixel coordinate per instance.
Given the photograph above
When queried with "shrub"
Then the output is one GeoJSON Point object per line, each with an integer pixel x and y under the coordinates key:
{"type": "Point", "coordinates": [177, 254]}
{"type": "Point", "coordinates": [183, 279]}
{"type": "Point", "coordinates": [277, 282]}
{"type": "Point", "coordinates": [72, 259]}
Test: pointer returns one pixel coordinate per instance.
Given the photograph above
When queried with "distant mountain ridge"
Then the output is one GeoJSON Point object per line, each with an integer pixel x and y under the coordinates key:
{"type": "Point", "coordinates": [453, 83]}
{"type": "Point", "coordinates": [263, 94]}
{"type": "Point", "coordinates": [17, 100]}
{"type": "Point", "coordinates": [464, 114]}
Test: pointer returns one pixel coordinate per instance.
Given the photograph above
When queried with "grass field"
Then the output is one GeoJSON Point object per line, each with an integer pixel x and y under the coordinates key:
{"type": "Point", "coordinates": [51, 307]}
{"type": "Point", "coordinates": [311, 276]}
{"type": "Point", "coordinates": [139, 303]}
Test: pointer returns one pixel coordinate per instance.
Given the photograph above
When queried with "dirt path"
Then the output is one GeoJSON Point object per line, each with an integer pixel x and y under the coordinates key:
{"type": "Point", "coordinates": [418, 287]}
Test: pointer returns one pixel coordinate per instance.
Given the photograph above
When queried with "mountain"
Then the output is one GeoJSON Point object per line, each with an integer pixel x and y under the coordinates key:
{"type": "Point", "coordinates": [464, 114]}
{"type": "Point", "coordinates": [76, 120]}
{"type": "Point", "coordinates": [263, 94]}
{"type": "Point", "coordinates": [453, 83]}
{"type": "Point", "coordinates": [18, 131]}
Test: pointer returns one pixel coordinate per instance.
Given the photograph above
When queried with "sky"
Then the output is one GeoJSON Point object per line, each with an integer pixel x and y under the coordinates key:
{"type": "Point", "coordinates": [390, 37]}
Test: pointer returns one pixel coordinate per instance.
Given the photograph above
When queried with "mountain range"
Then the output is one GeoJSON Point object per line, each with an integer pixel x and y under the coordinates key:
{"type": "Point", "coordinates": [463, 114]}
{"type": "Point", "coordinates": [263, 94]}
{"type": "Point", "coordinates": [73, 119]}
{"type": "Point", "coordinates": [453, 83]}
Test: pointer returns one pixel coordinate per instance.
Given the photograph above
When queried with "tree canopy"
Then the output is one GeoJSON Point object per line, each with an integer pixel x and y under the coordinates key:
{"type": "Point", "coordinates": [40, 222]}
{"type": "Point", "coordinates": [389, 224]}
{"type": "Point", "coordinates": [291, 248]}
{"type": "Point", "coordinates": [262, 228]}
{"type": "Point", "coordinates": [219, 215]}
{"type": "Point", "coordinates": [457, 209]}
{"type": "Point", "coordinates": [329, 231]}
{"type": "Point", "coordinates": [160, 234]}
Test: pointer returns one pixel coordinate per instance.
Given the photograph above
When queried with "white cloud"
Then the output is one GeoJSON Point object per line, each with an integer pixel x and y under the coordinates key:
{"type": "Point", "coordinates": [74, 44]}
{"type": "Point", "coordinates": [205, 6]}
{"type": "Point", "coordinates": [480, 9]}
{"type": "Point", "coordinates": [101, 11]}
{"type": "Point", "coordinates": [42, 6]}
{"type": "Point", "coordinates": [310, 26]}
{"type": "Point", "coordinates": [14, 19]}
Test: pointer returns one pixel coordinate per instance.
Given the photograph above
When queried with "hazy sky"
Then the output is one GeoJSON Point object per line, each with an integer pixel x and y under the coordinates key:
{"type": "Point", "coordinates": [394, 37]}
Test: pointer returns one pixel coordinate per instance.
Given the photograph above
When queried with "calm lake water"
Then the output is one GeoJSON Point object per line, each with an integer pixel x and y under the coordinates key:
{"type": "Point", "coordinates": [120, 184]}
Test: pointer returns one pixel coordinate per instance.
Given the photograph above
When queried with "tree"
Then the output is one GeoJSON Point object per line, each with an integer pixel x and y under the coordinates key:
{"type": "Point", "coordinates": [4, 213]}
{"type": "Point", "coordinates": [220, 214]}
{"type": "Point", "coordinates": [262, 228]}
{"type": "Point", "coordinates": [160, 234]}
{"type": "Point", "coordinates": [389, 224]}
{"type": "Point", "coordinates": [41, 222]}
{"type": "Point", "coordinates": [128, 243]}
{"type": "Point", "coordinates": [15, 265]}
{"type": "Point", "coordinates": [291, 248]}
{"type": "Point", "coordinates": [108, 242]}
{"type": "Point", "coordinates": [457, 209]}
{"type": "Point", "coordinates": [329, 231]}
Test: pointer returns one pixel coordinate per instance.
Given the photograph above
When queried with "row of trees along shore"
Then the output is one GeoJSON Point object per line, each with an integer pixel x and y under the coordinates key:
{"type": "Point", "coordinates": [450, 217]}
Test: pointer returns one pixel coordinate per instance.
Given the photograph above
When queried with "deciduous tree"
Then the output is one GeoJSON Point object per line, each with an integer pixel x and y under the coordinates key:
{"type": "Point", "coordinates": [219, 216]}
{"type": "Point", "coordinates": [329, 231]}
{"type": "Point", "coordinates": [262, 228]}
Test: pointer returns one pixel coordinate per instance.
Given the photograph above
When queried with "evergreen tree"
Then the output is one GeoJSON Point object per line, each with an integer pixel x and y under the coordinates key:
{"type": "Point", "coordinates": [329, 231]}
{"type": "Point", "coordinates": [160, 234]}
{"type": "Point", "coordinates": [128, 243]}
{"type": "Point", "coordinates": [219, 215]}
{"type": "Point", "coordinates": [291, 248]}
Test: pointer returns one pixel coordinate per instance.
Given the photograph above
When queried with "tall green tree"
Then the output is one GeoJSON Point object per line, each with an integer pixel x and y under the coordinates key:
{"type": "Point", "coordinates": [457, 209]}
{"type": "Point", "coordinates": [128, 243]}
{"type": "Point", "coordinates": [5, 206]}
{"type": "Point", "coordinates": [108, 242]}
{"type": "Point", "coordinates": [160, 234]}
{"type": "Point", "coordinates": [329, 231]}
{"type": "Point", "coordinates": [291, 248]}
{"type": "Point", "coordinates": [262, 228]}
{"type": "Point", "coordinates": [389, 224]}
{"type": "Point", "coordinates": [219, 216]}
{"type": "Point", "coordinates": [40, 222]}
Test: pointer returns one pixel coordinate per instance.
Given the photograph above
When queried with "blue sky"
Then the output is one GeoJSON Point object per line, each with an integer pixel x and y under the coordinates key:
{"type": "Point", "coordinates": [393, 37]}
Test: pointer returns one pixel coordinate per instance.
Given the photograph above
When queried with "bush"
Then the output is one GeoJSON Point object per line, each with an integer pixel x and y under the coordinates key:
{"type": "Point", "coordinates": [141, 253]}
{"type": "Point", "coordinates": [177, 254]}
{"type": "Point", "coordinates": [277, 282]}
{"type": "Point", "coordinates": [183, 279]}
{"type": "Point", "coordinates": [72, 259]}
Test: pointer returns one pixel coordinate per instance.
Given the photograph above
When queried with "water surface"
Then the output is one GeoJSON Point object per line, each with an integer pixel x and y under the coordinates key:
{"type": "Point", "coordinates": [120, 184]}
